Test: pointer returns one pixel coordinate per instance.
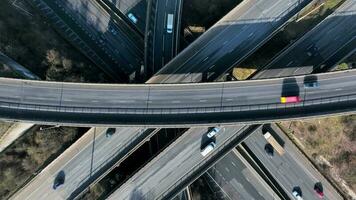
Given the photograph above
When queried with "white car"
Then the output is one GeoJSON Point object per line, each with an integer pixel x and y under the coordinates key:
{"type": "Point", "coordinates": [132, 18]}
{"type": "Point", "coordinates": [213, 132]}
{"type": "Point", "coordinates": [208, 148]}
{"type": "Point", "coordinates": [297, 195]}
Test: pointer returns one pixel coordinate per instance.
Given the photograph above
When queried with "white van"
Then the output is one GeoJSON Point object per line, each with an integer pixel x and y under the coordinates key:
{"type": "Point", "coordinates": [208, 148]}
{"type": "Point", "coordinates": [169, 23]}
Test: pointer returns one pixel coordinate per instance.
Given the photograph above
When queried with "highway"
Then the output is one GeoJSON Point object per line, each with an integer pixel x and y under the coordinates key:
{"type": "Point", "coordinates": [167, 105]}
{"type": "Point", "coordinates": [163, 46]}
{"type": "Point", "coordinates": [237, 180]}
{"type": "Point", "coordinates": [292, 168]}
{"type": "Point", "coordinates": [174, 163]}
{"type": "Point", "coordinates": [17, 68]}
{"type": "Point", "coordinates": [318, 45]}
{"type": "Point", "coordinates": [83, 162]}
{"type": "Point", "coordinates": [136, 7]}
{"type": "Point", "coordinates": [229, 41]}
{"type": "Point", "coordinates": [101, 38]}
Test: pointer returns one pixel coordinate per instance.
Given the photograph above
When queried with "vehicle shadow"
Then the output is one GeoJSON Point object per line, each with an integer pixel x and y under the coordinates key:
{"type": "Point", "coordinates": [205, 140]}
{"type": "Point", "coordinates": [268, 128]}
{"type": "Point", "coordinates": [290, 87]}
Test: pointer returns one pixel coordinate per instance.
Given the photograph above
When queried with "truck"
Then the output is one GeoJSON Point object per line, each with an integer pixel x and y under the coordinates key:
{"type": "Point", "coordinates": [270, 139]}
{"type": "Point", "coordinates": [290, 99]}
{"type": "Point", "coordinates": [169, 23]}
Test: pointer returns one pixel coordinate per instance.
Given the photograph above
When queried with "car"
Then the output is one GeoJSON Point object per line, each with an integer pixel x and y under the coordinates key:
{"type": "Point", "coordinates": [269, 149]}
{"type": "Point", "coordinates": [110, 132]}
{"type": "Point", "coordinates": [208, 148]}
{"type": "Point", "coordinates": [132, 18]}
{"type": "Point", "coordinates": [112, 30]}
{"type": "Point", "coordinates": [169, 23]}
{"type": "Point", "coordinates": [213, 132]}
{"type": "Point", "coordinates": [59, 180]}
{"type": "Point", "coordinates": [311, 84]}
{"type": "Point", "coordinates": [318, 188]}
{"type": "Point", "coordinates": [297, 193]}
{"type": "Point", "coordinates": [290, 99]}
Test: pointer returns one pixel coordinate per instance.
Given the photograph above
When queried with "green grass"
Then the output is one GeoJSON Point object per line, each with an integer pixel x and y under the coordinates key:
{"type": "Point", "coordinates": [342, 66]}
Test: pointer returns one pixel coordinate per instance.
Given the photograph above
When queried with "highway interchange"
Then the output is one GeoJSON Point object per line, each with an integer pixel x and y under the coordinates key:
{"type": "Point", "coordinates": [159, 103]}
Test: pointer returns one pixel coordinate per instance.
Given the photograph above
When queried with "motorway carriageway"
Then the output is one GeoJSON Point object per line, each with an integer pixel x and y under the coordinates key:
{"type": "Point", "coordinates": [172, 105]}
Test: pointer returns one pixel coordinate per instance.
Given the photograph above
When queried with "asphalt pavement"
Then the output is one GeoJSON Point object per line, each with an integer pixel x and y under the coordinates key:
{"type": "Point", "coordinates": [171, 165]}
{"type": "Point", "coordinates": [229, 41]}
{"type": "Point", "coordinates": [238, 181]}
{"type": "Point", "coordinates": [164, 43]}
{"type": "Point", "coordinates": [291, 169]}
{"type": "Point", "coordinates": [137, 8]}
{"type": "Point", "coordinates": [81, 163]}
{"type": "Point", "coordinates": [168, 104]}
{"type": "Point", "coordinates": [118, 49]}
{"type": "Point", "coordinates": [318, 45]}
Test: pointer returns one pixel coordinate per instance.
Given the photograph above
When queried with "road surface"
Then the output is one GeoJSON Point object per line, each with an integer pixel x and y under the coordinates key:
{"type": "Point", "coordinates": [229, 41]}
{"type": "Point", "coordinates": [162, 45]}
{"type": "Point", "coordinates": [174, 163]}
{"type": "Point", "coordinates": [238, 180]}
{"type": "Point", "coordinates": [292, 168]}
{"type": "Point", "coordinates": [81, 163]}
{"type": "Point", "coordinates": [112, 46]}
{"type": "Point", "coordinates": [14, 132]}
{"type": "Point", "coordinates": [315, 47]}
{"type": "Point", "coordinates": [168, 104]}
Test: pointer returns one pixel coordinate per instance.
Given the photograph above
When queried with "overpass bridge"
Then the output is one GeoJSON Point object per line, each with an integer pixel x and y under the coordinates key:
{"type": "Point", "coordinates": [175, 105]}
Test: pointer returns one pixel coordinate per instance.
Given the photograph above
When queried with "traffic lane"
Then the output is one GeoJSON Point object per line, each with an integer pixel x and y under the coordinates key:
{"type": "Point", "coordinates": [163, 41]}
{"type": "Point", "coordinates": [159, 34]}
{"type": "Point", "coordinates": [101, 25]}
{"type": "Point", "coordinates": [101, 152]}
{"type": "Point", "coordinates": [237, 181]}
{"type": "Point", "coordinates": [174, 162]}
{"type": "Point", "coordinates": [322, 41]}
{"type": "Point", "coordinates": [287, 169]}
{"type": "Point", "coordinates": [82, 24]}
{"type": "Point", "coordinates": [41, 187]}
{"type": "Point", "coordinates": [84, 164]}
{"type": "Point", "coordinates": [171, 96]}
{"type": "Point", "coordinates": [190, 64]}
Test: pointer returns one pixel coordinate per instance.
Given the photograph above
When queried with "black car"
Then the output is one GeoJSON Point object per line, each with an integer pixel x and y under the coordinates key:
{"type": "Point", "coordinates": [59, 180]}
{"type": "Point", "coordinates": [110, 132]}
{"type": "Point", "coordinates": [269, 149]}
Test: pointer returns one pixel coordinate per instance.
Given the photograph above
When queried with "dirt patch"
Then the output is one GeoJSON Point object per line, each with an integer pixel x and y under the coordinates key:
{"type": "Point", "coordinates": [27, 38]}
{"type": "Point", "coordinates": [30, 153]}
{"type": "Point", "coordinates": [4, 126]}
{"type": "Point", "coordinates": [332, 139]}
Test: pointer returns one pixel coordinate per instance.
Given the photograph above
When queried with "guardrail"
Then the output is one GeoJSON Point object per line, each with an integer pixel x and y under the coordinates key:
{"type": "Point", "coordinates": [220, 108]}
{"type": "Point", "coordinates": [99, 56]}
{"type": "Point", "coordinates": [206, 163]}
{"type": "Point", "coordinates": [150, 23]}
{"type": "Point", "coordinates": [120, 154]}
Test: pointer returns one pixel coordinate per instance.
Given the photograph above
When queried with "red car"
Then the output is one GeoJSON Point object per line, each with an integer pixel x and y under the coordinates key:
{"type": "Point", "coordinates": [290, 99]}
{"type": "Point", "coordinates": [318, 188]}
